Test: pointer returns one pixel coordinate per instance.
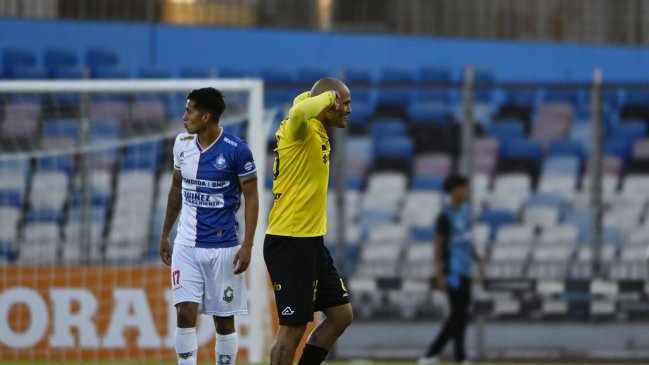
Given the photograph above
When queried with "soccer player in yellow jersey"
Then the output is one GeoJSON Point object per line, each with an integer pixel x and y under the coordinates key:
{"type": "Point", "coordinates": [300, 266]}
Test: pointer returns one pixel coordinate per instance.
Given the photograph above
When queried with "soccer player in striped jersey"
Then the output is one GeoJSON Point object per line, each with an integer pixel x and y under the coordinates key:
{"type": "Point", "coordinates": [211, 170]}
{"type": "Point", "coordinates": [304, 277]}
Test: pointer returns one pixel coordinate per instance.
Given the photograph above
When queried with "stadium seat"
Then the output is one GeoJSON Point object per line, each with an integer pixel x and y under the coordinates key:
{"type": "Point", "coordinates": [420, 208]}
{"type": "Point", "coordinates": [419, 262]}
{"type": "Point", "coordinates": [563, 234]}
{"type": "Point", "coordinates": [108, 72]}
{"type": "Point", "coordinates": [544, 199]}
{"type": "Point", "coordinates": [394, 234]}
{"type": "Point", "coordinates": [513, 183]}
{"type": "Point", "coordinates": [505, 201]}
{"type": "Point", "coordinates": [496, 218]}
{"type": "Point", "coordinates": [59, 133]}
{"type": "Point", "coordinates": [433, 164]}
{"type": "Point", "coordinates": [381, 260]}
{"type": "Point", "coordinates": [44, 215]}
{"type": "Point", "coordinates": [102, 58]}
{"type": "Point", "coordinates": [39, 244]}
{"type": "Point", "coordinates": [641, 149]}
{"type": "Point", "coordinates": [582, 219]}
{"type": "Point", "coordinates": [145, 156]}
{"type": "Point", "coordinates": [522, 148]}
{"type": "Point", "coordinates": [515, 235]}
{"type": "Point", "coordinates": [68, 73]}
{"type": "Point", "coordinates": [25, 132]}
{"type": "Point", "coordinates": [62, 163]}
{"type": "Point", "coordinates": [58, 58]}
{"type": "Point", "coordinates": [629, 131]}
{"type": "Point", "coordinates": [567, 148]}
{"type": "Point", "coordinates": [395, 82]}
{"type": "Point", "coordinates": [572, 97]}
{"type": "Point", "coordinates": [542, 217]}
{"type": "Point", "coordinates": [233, 72]}
{"type": "Point", "coordinates": [9, 218]}
{"type": "Point", "coordinates": [386, 128]}
{"type": "Point", "coordinates": [506, 131]}
{"type": "Point", "coordinates": [549, 262]}
{"type": "Point", "coordinates": [49, 189]}
{"type": "Point", "coordinates": [17, 57]}
{"type": "Point", "coordinates": [30, 73]}
{"type": "Point", "coordinates": [148, 115]}
{"type": "Point", "coordinates": [109, 109]}
{"type": "Point", "coordinates": [619, 148]}
{"type": "Point", "coordinates": [307, 76]}
{"type": "Point", "coordinates": [563, 185]}
{"type": "Point", "coordinates": [508, 261]}
{"type": "Point", "coordinates": [394, 153]}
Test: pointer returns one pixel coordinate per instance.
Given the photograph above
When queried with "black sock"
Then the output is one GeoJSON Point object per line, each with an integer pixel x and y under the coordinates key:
{"type": "Point", "coordinates": [312, 355]}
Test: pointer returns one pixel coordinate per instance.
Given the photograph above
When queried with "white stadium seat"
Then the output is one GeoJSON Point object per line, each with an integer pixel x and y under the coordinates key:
{"type": "Point", "coordinates": [49, 190]}
{"type": "Point", "coordinates": [421, 208]}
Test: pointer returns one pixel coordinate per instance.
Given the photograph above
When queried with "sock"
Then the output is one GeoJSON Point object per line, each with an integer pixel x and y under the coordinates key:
{"type": "Point", "coordinates": [186, 346]}
{"type": "Point", "coordinates": [226, 348]}
{"type": "Point", "coordinates": [312, 355]}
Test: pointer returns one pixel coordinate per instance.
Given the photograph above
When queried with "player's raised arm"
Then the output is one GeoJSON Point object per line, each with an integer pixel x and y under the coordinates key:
{"type": "Point", "coordinates": [307, 108]}
{"type": "Point", "coordinates": [251, 214]}
{"type": "Point", "coordinates": [174, 205]}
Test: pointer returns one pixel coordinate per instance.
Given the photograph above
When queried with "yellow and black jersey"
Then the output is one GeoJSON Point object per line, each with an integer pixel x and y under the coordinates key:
{"type": "Point", "coordinates": [301, 170]}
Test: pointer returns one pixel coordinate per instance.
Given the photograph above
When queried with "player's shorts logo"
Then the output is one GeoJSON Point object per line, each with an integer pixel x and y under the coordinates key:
{"type": "Point", "coordinates": [225, 360]}
{"type": "Point", "coordinates": [220, 162]}
{"type": "Point", "coordinates": [277, 286]}
{"type": "Point", "coordinates": [228, 295]}
{"type": "Point", "coordinates": [288, 311]}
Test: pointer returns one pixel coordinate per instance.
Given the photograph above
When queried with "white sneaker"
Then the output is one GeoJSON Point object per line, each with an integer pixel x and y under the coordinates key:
{"type": "Point", "coordinates": [428, 360]}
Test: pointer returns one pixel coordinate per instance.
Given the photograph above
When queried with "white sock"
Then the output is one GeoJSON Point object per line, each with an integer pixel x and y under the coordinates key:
{"type": "Point", "coordinates": [186, 346]}
{"type": "Point", "coordinates": [226, 348]}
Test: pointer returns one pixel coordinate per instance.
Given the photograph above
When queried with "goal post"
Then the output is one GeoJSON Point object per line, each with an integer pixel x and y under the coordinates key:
{"type": "Point", "coordinates": [71, 199]}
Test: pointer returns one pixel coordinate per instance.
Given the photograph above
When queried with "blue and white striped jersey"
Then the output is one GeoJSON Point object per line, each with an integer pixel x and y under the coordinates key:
{"type": "Point", "coordinates": [211, 191]}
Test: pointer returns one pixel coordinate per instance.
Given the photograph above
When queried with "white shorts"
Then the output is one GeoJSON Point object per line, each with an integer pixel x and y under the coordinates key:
{"type": "Point", "coordinates": [206, 276]}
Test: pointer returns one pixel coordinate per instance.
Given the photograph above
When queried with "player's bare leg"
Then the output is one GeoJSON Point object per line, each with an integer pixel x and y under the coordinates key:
{"type": "Point", "coordinates": [337, 320]}
{"type": "Point", "coordinates": [227, 340]}
{"type": "Point", "coordinates": [185, 339]}
{"type": "Point", "coordinates": [288, 338]}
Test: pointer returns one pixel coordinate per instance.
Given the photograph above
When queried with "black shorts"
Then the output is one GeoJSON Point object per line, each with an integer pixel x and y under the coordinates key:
{"type": "Point", "coordinates": [304, 277]}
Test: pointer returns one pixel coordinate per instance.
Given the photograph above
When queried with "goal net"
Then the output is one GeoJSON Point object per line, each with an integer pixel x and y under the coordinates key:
{"type": "Point", "coordinates": [85, 167]}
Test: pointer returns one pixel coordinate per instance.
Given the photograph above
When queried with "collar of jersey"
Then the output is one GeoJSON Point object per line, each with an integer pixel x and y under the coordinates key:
{"type": "Point", "coordinates": [210, 146]}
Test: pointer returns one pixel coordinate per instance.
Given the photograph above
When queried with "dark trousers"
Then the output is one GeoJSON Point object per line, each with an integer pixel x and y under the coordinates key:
{"type": "Point", "coordinates": [455, 326]}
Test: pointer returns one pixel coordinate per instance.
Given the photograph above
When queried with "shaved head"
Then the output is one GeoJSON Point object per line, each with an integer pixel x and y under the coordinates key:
{"type": "Point", "coordinates": [328, 84]}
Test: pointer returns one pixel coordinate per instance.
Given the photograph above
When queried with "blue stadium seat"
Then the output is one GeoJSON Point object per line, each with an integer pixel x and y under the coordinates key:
{"type": "Point", "coordinates": [307, 76]}
{"type": "Point", "coordinates": [105, 130]}
{"type": "Point", "coordinates": [395, 85]}
{"type": "Point", "coordinates": [636, 97]}
{"type": "Point", "coordinates": [69, 73]}
{"type": "Point", "coordinates": [394, 147]}
{"type": "Point", "coordinates": [431, 105]}
{"type": "Point", "coordinates": [428, 183]}
{"type": "Point", "coordinates": [56, 58]}
{"type": "Point", "coordinates": [506, 131]}
{"type": "Point", "coordinates": [30, 73]}
{"type": "Point", "coordinates": [419, 234]}
{"type": "Point", "coordinates": [44, 216]}
{"type": "Point", "coordinates": [435, 75]}
{"type": "Point", "coordinates": [387, 128]}
{"type": "Point", "coordinates": [522, 148]}
{"type": "Point", "coordinates": [56, 128]}
{"type": "Point", "coordinates": [429, 112]}
{"type": "Point", "coordinates": [582, 133]}
{"type": "Point", "coordinates": [631, 131]}
{"type": "Point", "coordinates": [368, 220]}
{"type": "Point", "coordinates": [618, 147]}
{"type": "Point", "coordinates": [11, 198]}
{"type": "Point", "coordinates": [360, 148]}
{"type": "Point", "coordinates": [521, 97]}
{"type": "Point", "coordinates": [154, 73]}
{"type": "Point", "coordinates": [544, 199]}
{"type": "Point", "coordinates": [567, 148]}
{"type": "Point", "coordinates": [481, 77]}
{"type": "Point", "coordinates": [17, 57]}
{"type": "Point", "coordinates": [496, 218]}
{"type": "Point", "coordinates": [561, 166]}
{"type": "Point", "coordinates": [582, 219]}
{"type": "Point", "coordinates": [142, 156]}
{"type": "Point", "coordinates": [55, 163]}
{"type": "Point", "coordinates": [102, 58]}
{"type": "Point", "coordinates": [197, 73]}
{"type": "Point", "coordinates": [18, 166]}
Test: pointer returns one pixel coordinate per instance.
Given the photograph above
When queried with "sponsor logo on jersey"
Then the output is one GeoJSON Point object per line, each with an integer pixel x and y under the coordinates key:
{"type": "Point", "coordinates": [248, 166]}
{"type": "Point", "coordinates": [220, 162]}
{"type": "Point", "coordinates": [203, 200]}
{"type": "Point", "coordinates": [228, 295]}
{"type": "Point", "coordinates": [188, 138]}
{"type": "Point", "coordinates": [206, 183]}
{"type": "Point", "coordinates": [288, 311]}
{"type": "Point", "coordinates": [230, 142]}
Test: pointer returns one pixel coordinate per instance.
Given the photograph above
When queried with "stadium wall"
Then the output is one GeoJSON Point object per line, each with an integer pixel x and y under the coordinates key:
{"type": "Point", "coordinates": [175, 47]}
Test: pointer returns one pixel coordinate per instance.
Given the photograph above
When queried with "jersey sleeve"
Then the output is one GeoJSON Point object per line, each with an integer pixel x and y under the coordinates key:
{"type": "Point", "coordinates": [176, 156]}
{"type": "Point", "coordinates": [244, 160]}
{"type": "Point", "coordinates": [304, 109]}
{"type": "Point", "coordinates": [442, 225]}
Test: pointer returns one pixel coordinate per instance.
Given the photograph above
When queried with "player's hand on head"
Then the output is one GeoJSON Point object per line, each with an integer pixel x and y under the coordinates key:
{"type": "Point", "coordinates": [242, 259]}
{"type": "Point", "coordinates": [165, 251]}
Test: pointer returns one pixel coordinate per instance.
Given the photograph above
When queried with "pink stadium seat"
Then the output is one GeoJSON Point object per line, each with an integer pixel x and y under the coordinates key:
{"type": "Point", "coordinates": [641, 149]}
{"type": "Point", "coordinates": [433, 165]}
{"type": "Point", "coordinates": [109, 109]}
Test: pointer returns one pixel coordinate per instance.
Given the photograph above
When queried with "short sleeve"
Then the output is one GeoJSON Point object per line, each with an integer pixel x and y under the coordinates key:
{"type": "Point", "coordinates": [442, 225]}
{"type": "Point", "coordinates": [244, 160]}
{"type": "Point", "coordinates": [176, 156]}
